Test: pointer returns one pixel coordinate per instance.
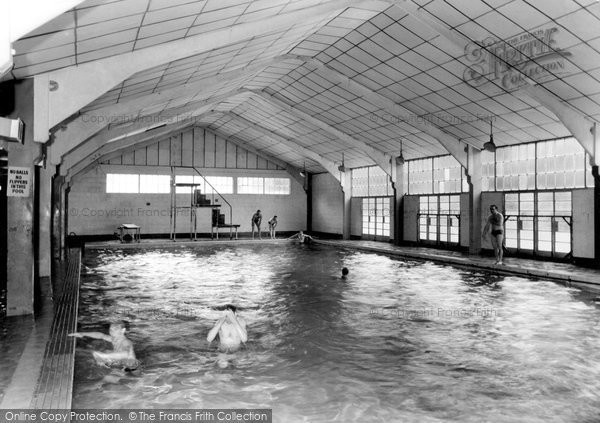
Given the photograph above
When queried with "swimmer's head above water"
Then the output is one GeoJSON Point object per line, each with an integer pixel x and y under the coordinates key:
{"type": "Point", "coordinates": [117, 329]}
{"type": "Point", "coordinates": [345, 272]}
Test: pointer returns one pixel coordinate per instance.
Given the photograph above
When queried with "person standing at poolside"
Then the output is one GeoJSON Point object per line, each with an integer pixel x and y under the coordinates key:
{"type": "Point", "coordinates": [256, 221]}
{"type": "Point", "coordinates": [272, 225]}
{"type": "Point", "coordinates": [496, 222]}
{"type": "Point", "coordinates": [231, 330]}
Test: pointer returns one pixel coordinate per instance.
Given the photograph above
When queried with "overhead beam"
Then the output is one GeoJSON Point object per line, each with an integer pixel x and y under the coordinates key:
{"type": "Point", "coordinates": [383, 160]}
{"type": "Point", "coordinates": [327, 164]}
{"type": "Point", "coordinates": [189, 112]}
{"type": "Point", "coordinates": [453, 145]}
{"type": "Point", "coordinates": [90, 123]}
{"type": "Point", "coordinates": [75, 87]}
{"type": "Point", "coordinates": [72, 169]}
{"type": "Point", "coordinates": [579, 126]}
{"type": "Point", "coordinates": [292, 170]}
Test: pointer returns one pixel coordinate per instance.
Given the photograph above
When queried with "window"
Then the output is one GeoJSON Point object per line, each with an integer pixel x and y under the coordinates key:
{"type": "Point", "coordinates": [447, 175]}
{"type": "Point", "coordinates": [515, 167]}
{"type": "Point", "coordinates": [543, 165]}
{"type": "Point", "coordinates": [376, 217]}
{"type": "Point", "coordinates": [277, 186]}
{"type": "Point", "coordinates": [269, 186]}
{"type": "Point", "coordinates": [420, 176]}
{"type": "Point", "coordinates": [188, 179]}
{"type": "Point", "coordinates": [122, 183]}
{"type": "Point", "coordinates": [539, 222]}
{"type": "Point", "coordinates": [561, 164]}
{"type": "Point", "coordinates": [222, 184]}
{"type": "Point", "coordinates": [371, 181]}
{"type": "Point", "coordinates": [250, 186]}
{"type": "Point", "coordinates": [155, 184]}
{"type": "Point", "coordinates": [439, 219]}
{"type": "Point", "coordinates": [488, 171]}
{"type": "Point", "coordinates": [435, 175]}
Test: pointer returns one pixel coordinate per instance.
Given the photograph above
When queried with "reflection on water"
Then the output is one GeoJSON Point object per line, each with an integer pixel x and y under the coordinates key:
{"type": "Point", "coordinates": [396, 341]}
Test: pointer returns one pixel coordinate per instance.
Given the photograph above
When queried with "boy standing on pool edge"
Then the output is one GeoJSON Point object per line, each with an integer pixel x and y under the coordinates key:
{"type": "Point", "coordinates": [496, 221]}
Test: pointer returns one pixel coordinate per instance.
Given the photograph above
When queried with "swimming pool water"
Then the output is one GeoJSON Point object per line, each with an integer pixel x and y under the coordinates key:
{"type": "Point", "coordinates": [397, 341]}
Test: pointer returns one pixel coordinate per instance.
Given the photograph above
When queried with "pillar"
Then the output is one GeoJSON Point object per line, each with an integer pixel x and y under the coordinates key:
{"type": "Point", "coordinates": [346, 181]}
{"type": "Point", "coordinates": [398, 186]}
{"type": "Point", "coordinates": [474, 180]}
{"type": "Point", "coordinates": [596, 232]}
{"type": "Point", "coordinates": [20, 210]}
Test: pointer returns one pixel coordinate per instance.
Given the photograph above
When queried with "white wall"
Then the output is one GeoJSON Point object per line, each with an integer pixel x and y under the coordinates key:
{"type": "Point", "coordinates": [411, 209]}
{"type": "Point", "coordinates": [583, 223]}
{"type": "Point", "coordinates": [327, 204]}
{"type": "Point", "coordinates": [94, 212]}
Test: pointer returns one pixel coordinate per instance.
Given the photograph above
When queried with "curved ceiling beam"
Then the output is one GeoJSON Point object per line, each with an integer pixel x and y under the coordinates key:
{"type": "Point", "coordinates": [75, 87]}
{"type": "Point", "coordinates": [292, 170]}
{"type": "Point", "coordinates": [327, 164]}
{"type": "Point", "coordinates": [189, 112]}
{"type": "Point", "coordinates": [453, 145]}
{"type": "Point", "coordinates": [120, 146]}
{"type": "Point", "coordinates": [383, 160]}
{"type": "Point", "coordinates": [90, 123]}
{"type": "Point", "coordinates": [580, 127]}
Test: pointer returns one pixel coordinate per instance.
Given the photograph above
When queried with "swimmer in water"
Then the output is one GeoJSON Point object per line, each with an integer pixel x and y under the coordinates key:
{"type": "Point", "coordinates": [345, 272]}
{"type": "Point", "coordinates": [302, 238]}
{"type": "Point", "coordinates": [122, 354]}
{"type": "Point", "coordinates": [231, 330]}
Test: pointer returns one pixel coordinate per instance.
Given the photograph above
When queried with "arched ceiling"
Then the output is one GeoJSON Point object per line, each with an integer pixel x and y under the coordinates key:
{"type": "Point", "coordinates": [328, 77]}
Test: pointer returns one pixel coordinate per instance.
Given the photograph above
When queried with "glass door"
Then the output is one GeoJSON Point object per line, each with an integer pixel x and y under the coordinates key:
{"type": "Point", "coordinates": [376, 217]}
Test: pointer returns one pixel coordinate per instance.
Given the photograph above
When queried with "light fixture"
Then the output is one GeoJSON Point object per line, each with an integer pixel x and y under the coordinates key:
{"type": "Point", "coordinates": [303, 171]}
{"type": "Point", "coordinates": [490, 146]}
{"type": "Point", "coordinates": [400, 158]}
{"type": "Point", "coordinates": [341, 167]}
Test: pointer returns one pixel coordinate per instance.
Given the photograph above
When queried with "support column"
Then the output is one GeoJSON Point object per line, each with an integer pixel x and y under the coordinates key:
{"type": "Point", "coordinates": [308, 190]}
{"type": "Point", "coordinates": [596, 230]}
{"type": "Point", "coordinates": [474, 180]}
{"type": "Point", "coordinates": [20, 277]}
{"type": "Point", "coordinates": [398, 186]}
{"type": "Point", "coordinates": [57, 213]}
{"type": "Point", "coordinates": [346, 181]}
{"type": "Point", "coordinates": [45, 222]}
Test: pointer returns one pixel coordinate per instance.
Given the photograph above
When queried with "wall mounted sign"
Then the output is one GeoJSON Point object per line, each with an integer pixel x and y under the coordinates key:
{"type": "Point", "coordinates": [534, 55]}
{"type": "Point", "coordinates": [19, 181]}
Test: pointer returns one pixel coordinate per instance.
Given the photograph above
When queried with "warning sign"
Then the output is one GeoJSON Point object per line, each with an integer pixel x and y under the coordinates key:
{"type": "Point", "coordinates": [19, 181]}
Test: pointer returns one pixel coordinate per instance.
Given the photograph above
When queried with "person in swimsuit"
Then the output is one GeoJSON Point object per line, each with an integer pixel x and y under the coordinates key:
{"type": "Point", "coordinates": [272, 225]}
{"type": "Point", "coordinates": [231, 330]}
{"type": "Point", "coordinates": [496, 223]}
{"type": "Point", "coordinates": [302, 238]}
{"type": "Point", "coordinates": [122, 354]}
{"type": "Point", "coordinates": [256, 221]}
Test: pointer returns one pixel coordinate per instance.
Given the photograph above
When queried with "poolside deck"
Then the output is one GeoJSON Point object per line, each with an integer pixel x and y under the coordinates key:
{"type": "Point", "coordinates": [43, 377]}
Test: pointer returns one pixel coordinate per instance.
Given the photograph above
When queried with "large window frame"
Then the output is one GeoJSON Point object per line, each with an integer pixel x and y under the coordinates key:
{"type": "Point", "coordinates": [539, 222]}
{"type": "Point", "coordinates": [438, 219]}
{"type": "Point", "coordinates": [376, 217]}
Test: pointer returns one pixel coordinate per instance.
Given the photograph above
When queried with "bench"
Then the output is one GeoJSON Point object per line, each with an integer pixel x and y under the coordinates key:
{"type": "Point", "coordinates": [225, 225]}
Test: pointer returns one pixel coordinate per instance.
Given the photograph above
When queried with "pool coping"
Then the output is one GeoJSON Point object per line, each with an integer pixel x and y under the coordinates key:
{"type": "Point", "coordinates": [585, 278]}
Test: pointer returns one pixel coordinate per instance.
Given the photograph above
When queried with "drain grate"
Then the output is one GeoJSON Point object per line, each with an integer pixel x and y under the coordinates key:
{"type": "Point", "coordinates": [55, 385]}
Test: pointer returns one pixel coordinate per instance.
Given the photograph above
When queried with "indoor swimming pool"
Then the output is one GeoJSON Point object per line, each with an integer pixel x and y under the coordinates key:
{"type": "Point", "coordinates": [398, 340]}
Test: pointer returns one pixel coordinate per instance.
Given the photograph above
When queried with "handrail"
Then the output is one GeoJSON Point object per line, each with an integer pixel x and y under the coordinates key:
{"type": "Point", "coordinates": [219, 194]}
